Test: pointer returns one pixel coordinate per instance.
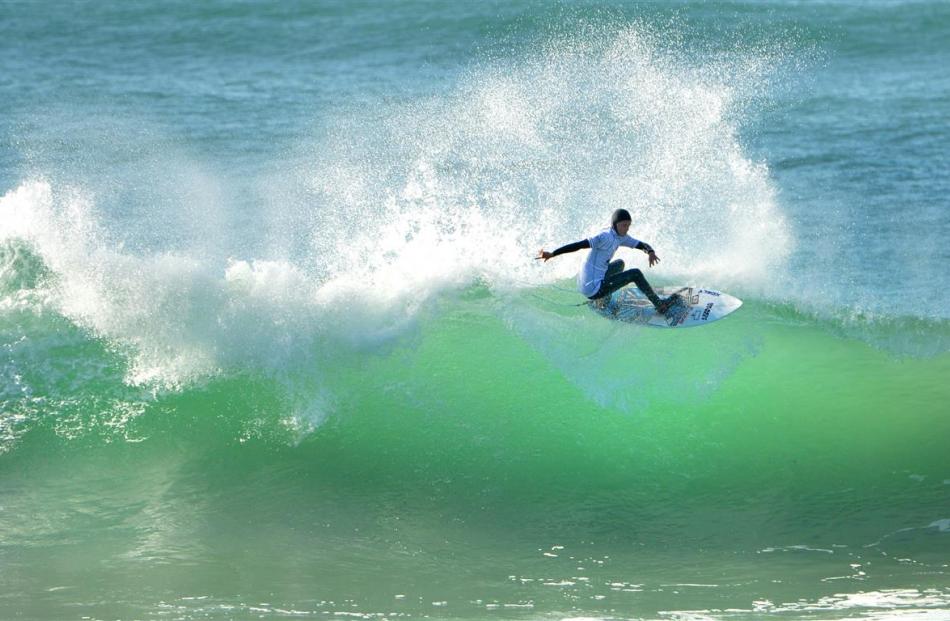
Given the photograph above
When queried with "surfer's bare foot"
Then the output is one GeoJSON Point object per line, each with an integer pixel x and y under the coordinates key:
{"type": "Point", "coordinates": [669, 303]}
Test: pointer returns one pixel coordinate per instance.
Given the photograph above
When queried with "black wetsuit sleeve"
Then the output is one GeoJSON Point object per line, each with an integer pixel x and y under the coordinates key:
{"type": "Point", "coordinates": [584, 243]}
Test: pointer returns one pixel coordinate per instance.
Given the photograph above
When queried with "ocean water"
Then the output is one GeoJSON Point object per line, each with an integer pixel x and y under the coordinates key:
{"type": "Point", "coordinates": [273, 344]}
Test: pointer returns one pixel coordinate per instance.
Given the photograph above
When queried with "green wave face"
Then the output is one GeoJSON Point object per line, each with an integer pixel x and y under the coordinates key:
{"type": "Point", "coordinates": [484, 464]}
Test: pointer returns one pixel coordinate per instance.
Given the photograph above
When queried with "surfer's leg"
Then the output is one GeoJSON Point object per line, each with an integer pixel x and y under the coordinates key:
{"type": "Point", "coordinates": [613, 268]}
{"type": "Point", "coordinates": [616, 281]}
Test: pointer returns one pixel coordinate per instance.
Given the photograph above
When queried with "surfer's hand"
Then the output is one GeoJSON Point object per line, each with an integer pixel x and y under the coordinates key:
{"type": "Point", "coordinates": [653, 258]}
{"type": "Point", "coordinates": [544, 254]}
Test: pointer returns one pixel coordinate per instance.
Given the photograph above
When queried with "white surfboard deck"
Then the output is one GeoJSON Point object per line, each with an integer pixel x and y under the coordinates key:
{"type": "Point", "coordinates": [702, 306]}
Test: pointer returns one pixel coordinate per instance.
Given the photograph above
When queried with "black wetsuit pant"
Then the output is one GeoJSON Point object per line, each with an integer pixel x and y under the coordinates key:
{"type": "Point", "coordinates": [615, 278]}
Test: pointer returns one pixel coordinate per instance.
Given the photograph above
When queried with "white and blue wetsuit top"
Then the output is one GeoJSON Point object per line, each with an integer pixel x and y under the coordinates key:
{"type": "Point", "coordinates": [602, 249]}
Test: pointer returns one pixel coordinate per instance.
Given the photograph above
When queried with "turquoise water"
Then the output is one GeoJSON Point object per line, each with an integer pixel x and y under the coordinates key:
{"type": "Point", "coordinates": [273, 343]}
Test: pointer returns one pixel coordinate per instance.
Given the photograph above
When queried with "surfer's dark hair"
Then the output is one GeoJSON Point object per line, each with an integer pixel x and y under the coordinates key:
{"type": "Point", "coordinates": [619, 215]}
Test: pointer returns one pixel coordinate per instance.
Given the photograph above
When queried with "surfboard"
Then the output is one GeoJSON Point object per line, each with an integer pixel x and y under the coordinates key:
{"type": "Point", "coordinates": [701, 306]}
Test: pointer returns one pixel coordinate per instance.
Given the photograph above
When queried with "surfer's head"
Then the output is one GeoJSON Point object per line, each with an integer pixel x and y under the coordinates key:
{"type": "Point", "coordinates": [620, 221]}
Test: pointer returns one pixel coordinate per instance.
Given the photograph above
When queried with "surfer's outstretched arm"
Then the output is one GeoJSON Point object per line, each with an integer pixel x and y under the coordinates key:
{"type": "Point", "coordinates": [544, 254]}
{"type": "Point", "coordinates": [645, 247]}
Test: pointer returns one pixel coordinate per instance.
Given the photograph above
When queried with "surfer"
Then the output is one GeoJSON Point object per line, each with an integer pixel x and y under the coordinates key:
{"type": "Point", "coordinates": [600, 276]}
